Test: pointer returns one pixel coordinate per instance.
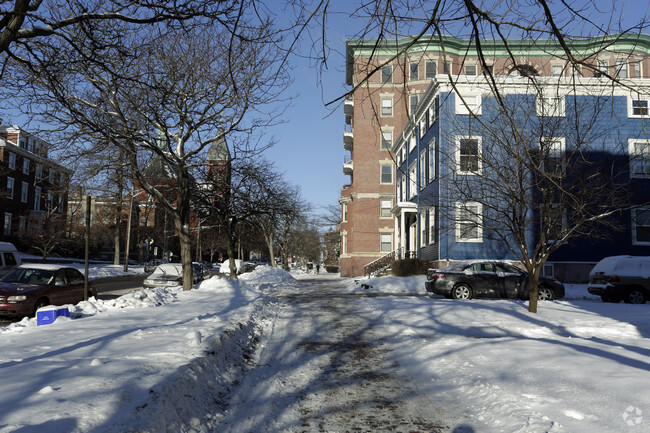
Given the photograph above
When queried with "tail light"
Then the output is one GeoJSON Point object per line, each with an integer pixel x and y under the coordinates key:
{"type": "Point", "coordinates": [435, 276]}
{"type": "Point", "coordinates": [614, 279]}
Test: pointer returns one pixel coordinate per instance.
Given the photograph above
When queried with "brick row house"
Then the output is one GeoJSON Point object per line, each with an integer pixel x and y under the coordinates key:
{"type": "Point", "coordinates": [402, 169]}
{"type": "Point", "coordinates": [34, 189]}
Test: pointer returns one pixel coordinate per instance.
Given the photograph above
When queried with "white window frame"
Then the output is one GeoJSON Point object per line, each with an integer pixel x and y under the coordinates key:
{"type": "Point", "coordinates": [467, 72]}
{"type": "Point", "coordinates": [25, 166]}
{"type": "Point", "coordinates": [386, 109]}
{"type": "Point", "coordinates": [631, 100]}
{"type": "Point", "coordinates": [427, 71]}
{"type": "Point", "coordinates": [402, 196]}
{"type": "Point", "coordinates": [473, 106]}
{"type": "Point", "coordinates": [413, 186]}
{"type": "Point", "coordinates": [478, 213]}
{"type": "Point", "coordinates": [635, 240]}
{"type": "Point", "coordinates": [602, 68]}
{"type": "Point", "coordinates": [432, 160]}
{"type": "Point", "coordinates": [412, 143]}
{"type": "Point", "coordinates": [622, 68]}
{"type": "Point", "coordinates": [386, 139]}
{"type": "Point", "coordinates": [423, 169]}
{"type": "Point", "coordinates": [550, 106]}
{"type": "Point", "coordinates": [558, 151]}
{"type": "Point", "coordinates": [459, 138]}
{"type": "Point", "coordinates": [414, 99]}
{"type": "Point", "coordinates": [636, 159]}
{"type": "Point", "coordinates": [11, 187]}
{"type": "Point", "coordinates": [424, 227]}
{"type": "Point", "coordinates": [386, 74]}
{"type": "Point", "coordinates": [382, 242]}
{"type": "Point", "coordinates": [638, 69]}
{"type": "Point", "coordinates": [414, 69]}
{"type": "Point", "coordinates": [432, 225]}
{"type": "Point", "coordinates": [344, 243]}
{"type": "Point", "coordinates": [383, 165]}
{"type": "Point", "coordinates": [11, 164]}
{"type": "Point", "coordinates": [557, 70]}
{"type": "Point", "coordinates": [6, 230]}
{"type": "Point", "coordinates": [344, 212]}
{"type": "Point", "coordinates": [385, 206]}
{"type": "Point", "coordinates": [24, 192]}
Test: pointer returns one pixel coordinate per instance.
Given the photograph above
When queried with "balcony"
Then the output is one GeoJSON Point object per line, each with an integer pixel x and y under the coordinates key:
{"type": "Point", "coordinates": [347, 167]}
{"type": "Point", "coordinates": [348, 138]}
{"type": "Point", "coordinates": [348, 109]}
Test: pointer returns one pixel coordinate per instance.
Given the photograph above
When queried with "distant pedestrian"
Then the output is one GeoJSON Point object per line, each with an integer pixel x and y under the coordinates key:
{"type": "Point", "coordinates": [317, 268]}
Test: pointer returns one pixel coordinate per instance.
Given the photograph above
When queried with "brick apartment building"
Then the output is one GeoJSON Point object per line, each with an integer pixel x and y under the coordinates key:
{"type": "Point", "coordinates": [377, 111]}
{"type": "Point", "coordinates": [33, 188]}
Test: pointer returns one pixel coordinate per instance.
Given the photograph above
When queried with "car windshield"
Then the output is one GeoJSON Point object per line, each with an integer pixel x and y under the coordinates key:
{"type": "Point", "coordinates": [34, 277]}
{"type": "Point", "coordinates": [456, 267]}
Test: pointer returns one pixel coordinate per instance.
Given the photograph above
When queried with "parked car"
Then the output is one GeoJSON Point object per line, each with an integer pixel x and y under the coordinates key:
{"type": "Point", "coordinates": [621, 278]}
{"type": "Point", "coordinates": [9, 257]}
{"type": "Point", "coordinates": [151, 265]}
{"type": "Point", "coordinates": [167, 275]}
{"type": "Point", "coordinates": [26, 288]}
{"type": "Point", "coordinates": [489, 279]}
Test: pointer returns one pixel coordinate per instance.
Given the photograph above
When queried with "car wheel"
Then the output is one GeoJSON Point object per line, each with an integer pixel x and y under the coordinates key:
{"type": "Point", "coordinates": [462, 291]}
{"type": "Point", "coordinates": [40, 304]}
{"type": "Point", "coordinates": [635, 296]}
{"type": "Point", "coordinates": [545, 293]}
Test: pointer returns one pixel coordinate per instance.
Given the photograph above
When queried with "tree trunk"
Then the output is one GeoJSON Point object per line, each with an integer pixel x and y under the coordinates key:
{"type": "Point", "coordinates": [533, 281]}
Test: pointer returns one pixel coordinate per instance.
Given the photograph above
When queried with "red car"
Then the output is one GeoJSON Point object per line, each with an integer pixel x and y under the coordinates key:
{"type": "Point", "coordinates": [26, 288]}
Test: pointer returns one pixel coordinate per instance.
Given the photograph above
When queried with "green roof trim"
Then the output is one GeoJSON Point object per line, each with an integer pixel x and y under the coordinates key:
{"type": "Point", "coordinates": [585, 47]}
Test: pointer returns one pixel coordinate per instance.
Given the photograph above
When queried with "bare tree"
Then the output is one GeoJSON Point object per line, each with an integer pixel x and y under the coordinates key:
{"type": "Point", "coordinates": [167, 95]}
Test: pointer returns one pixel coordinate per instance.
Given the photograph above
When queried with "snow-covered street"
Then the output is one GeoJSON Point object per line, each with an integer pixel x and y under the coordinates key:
{"type": "Point", "coordinates": [324, 367]}
{"type": "Point", "coordinates": [304, 353]}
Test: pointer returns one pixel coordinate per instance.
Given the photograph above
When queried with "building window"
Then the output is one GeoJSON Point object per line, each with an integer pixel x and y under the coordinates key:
{"type": "Point", "coordinates": [51, 176]}
{"type": "Point", "coordinates": [402, 195]}
{"type": "Point", "coordinates": [387, 173]}
{"type": "Point", "coordinates": [386, 107]}
{"type": "Point", "coordinates": [10, 188]}
{"type": "Point", "coordinates": [414, 72]}
{"type": "Point", "coordinates": [344, 243]}
{"type": "Point", "coordinates": [621, 68]}
{"type": "Point", "coordinates": [639, 158]}
{"type": "Point", "coordinates": [386, 140]}
{"type": "Point", "coordinates": [446, 68]}
{"type": "Point", "coordinates": [432, 160]}
{"type": "Point", "coordinates": [50, 201]}
{"type": "Point", "coordinates": [556, 70]}
{"type": "Point", "coordinates": [488, 70]}
{"type": "Point", "coordinates": [386, 74]}
{"type": "Point", "coordinates": [471, 104]}
{"type": "Point", "coordinates": [12, 161]}
{"type": "Point", "coordinates": [552, 151]}
{"type": "Point", "coordinates": [423, 168]}
{"type": "Point", "coordinates": [7, 226]}
{"type": "Point", "coordinates": [386, 241]}
{"type": "Point", "coordinates": [413, 103]}
{"type": "Point", "coordinates": [37, 198]}
{"type": "Point", "coordinates": [469, 222]}
{"type": "Point", "coordinates": [24, 192]}
{"type": "Point", "coordinates": [637, 107]}
{"type": "Point", "coordinates": [641, 226]}
{"type": "Point", "coordinates": [555, 222]}
{"type": "Point", "coordinates": [39, 171]}
{"type": "Point", "coordinates": [431, 68]}
{"type": "Point", "coordinates": [552, 106]}
{"type": "Point", "coordinates": [468, 151]}
{"type": "Point", "coordinates": [637, 69]}
{"type": "Point", "coordinates": [344, 212]}
{"type": "Point", "coordinates": [25, 166]}
{"type": "Point", "coordinates": [603, 67]}
{"type": "Point", "coordinates": [412, 180]}
{"type": "Point", "coordinates": [432, 225]}
{"type": "Point", "coordinates": [423, 228]}
{"type": "Point", "coordinates": [470, 69]}
{"type": "Point", "coordinates": [386, 205]}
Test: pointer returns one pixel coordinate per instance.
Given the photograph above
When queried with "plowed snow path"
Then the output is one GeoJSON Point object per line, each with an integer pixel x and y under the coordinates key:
{"type": "Point", "coordinates": [323, 368]}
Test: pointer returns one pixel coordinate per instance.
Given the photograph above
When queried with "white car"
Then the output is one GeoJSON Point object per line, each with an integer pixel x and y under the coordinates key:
{"type": "Point", "coordinates": [165, 275]}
